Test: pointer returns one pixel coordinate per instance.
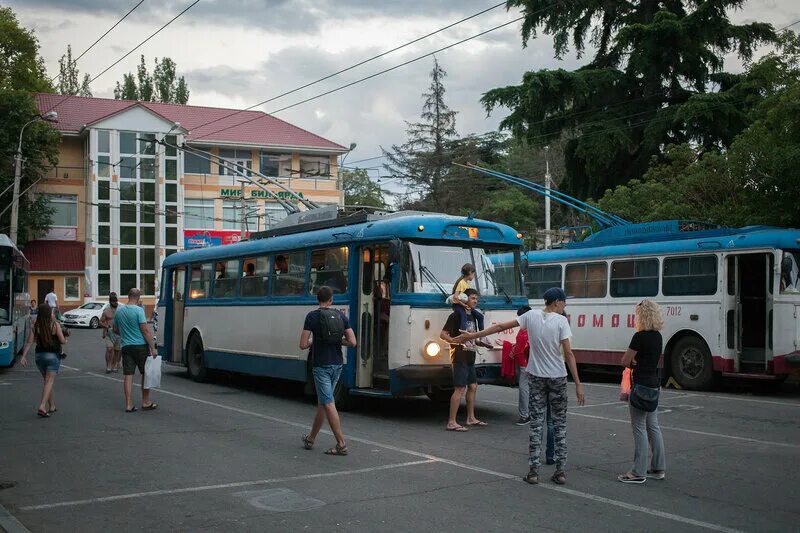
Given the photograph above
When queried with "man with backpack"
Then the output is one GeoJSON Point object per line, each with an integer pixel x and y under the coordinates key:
{"type": "Point", "coordinates": [325, 331]}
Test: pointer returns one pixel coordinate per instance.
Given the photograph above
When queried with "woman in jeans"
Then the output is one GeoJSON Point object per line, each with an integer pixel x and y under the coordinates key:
{"type": "Point", "coordinates": [47, 333]}
{"type": "Point", "coordinates": [642, 356]}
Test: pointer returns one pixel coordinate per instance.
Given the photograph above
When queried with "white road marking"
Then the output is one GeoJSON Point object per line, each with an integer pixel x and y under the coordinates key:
{"type": "Point", "coordinates": [38, 377]}
{"type": "Point", "coordinates": [701, 395]}
{"type": "Point", "coordinates": [236, 484]}
{"type": "Point", "coordinates": [433, 458]}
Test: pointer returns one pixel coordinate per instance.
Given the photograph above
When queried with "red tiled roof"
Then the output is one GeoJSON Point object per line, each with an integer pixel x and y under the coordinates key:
{"type": "Point", "coordinates": [246, 127]}
{"type": "Point", "coordinates": [55, 256]}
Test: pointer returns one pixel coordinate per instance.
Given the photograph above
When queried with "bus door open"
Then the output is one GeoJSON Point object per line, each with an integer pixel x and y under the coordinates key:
{"type": "Point", "coordinates": [749, 310]}
{"type": "Point", "coordinates": [178, 301]}
{"type": "Point", "coordinates": [373, 331]}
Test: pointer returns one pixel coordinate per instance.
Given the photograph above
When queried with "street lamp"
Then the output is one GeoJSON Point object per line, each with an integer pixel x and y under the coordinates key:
{"type": "Point", "coordinates": [341, 163]}
{"type": "Point", "coordinates": [50, 116]}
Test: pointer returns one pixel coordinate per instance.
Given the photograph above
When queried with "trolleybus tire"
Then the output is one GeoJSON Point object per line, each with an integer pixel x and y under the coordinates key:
{"type": "Point", "coordinates": [94, 323]}
{"type": "Point", "coordinates": [195, 360]}
{"type": "Point", "coordinates": [440, 394]}
{"type": "Point", "coordinates": [691, 364]}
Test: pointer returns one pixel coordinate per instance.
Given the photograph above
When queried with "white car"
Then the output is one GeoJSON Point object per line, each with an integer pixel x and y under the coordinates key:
{"type": "Point", "coordinates": [87, 315]}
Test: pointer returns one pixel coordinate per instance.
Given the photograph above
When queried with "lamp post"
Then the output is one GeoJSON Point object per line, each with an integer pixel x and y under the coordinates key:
{"type": "Point", "coordinates": [50, 116]}
{"type": "Point", "coordinates": [341, 182]}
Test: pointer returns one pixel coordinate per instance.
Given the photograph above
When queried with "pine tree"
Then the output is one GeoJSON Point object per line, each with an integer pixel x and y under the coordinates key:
{"type": "Point", "coordinates": [656, 78]}
{"type": "Point", "coordinates": [424, 160]}
{"type": "Point", "coordinates": [162, 86]}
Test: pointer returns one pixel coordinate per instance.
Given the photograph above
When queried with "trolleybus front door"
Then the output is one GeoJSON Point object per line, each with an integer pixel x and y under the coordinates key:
{"type": "Point", "coordinates": [749, 319]}
{"type": "Point", "coordinates": [178, 300]}
{"type": "Point", "coordinates": [373, 319]}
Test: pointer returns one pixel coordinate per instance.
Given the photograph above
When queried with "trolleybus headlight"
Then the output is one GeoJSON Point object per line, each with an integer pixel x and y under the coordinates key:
{"type": "Point", "coordinates": [431, 349]}
{"type": "Point", "coordinates": [4, 345]}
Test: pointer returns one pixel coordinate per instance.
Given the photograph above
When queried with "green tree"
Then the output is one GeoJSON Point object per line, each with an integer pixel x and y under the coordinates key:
{"type": "Point", "coordinates": [656, 78]}
{"type": "Point", "coordinates": [162, 86]}
{"type": "Point", "coordinates": [22, 73]}
{"type": "Point", "coordinates": [511, 206]}
{"type": "Point", "coordinates": [360, 190]}
{"type": "Point", "coordinates": [423, 161]}
{"type": "Point", "coordinates": [68, 75]}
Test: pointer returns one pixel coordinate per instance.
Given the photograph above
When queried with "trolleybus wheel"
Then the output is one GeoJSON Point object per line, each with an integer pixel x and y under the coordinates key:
{"type": "Point", "coordinates": [439, 394]}
{"type": "Point", "coordinates": [691, 364]}
{"type": "Point", "coordinates": [195, 360]}
{"type": "Point", "coordinates": [94, 323]}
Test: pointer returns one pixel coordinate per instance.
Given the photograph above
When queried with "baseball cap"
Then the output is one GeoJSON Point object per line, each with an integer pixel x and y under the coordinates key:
{"type": "Point", "coordinates": [554, 294]}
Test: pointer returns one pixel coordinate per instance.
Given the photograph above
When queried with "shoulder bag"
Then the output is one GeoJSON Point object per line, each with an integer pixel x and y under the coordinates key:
{"type": "Point", "coordinates": [644, 398]}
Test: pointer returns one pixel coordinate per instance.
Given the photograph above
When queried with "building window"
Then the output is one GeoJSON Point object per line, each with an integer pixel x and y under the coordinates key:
{"type": "Point", "coordinates": [236, 159]}
{"type": "Point", "coordinates": [276, 165]}
{"type": "Point", "coordinates": [194, 164]}
{"type": "Point", "coordinates": [315, 166]}
{"type": "Point", "coordinates": [103, 166]}
{"type": "Point", "coordinates": [127, 142]}
{"type": "Point", "coordinates": [72, 288]}
{"type": "Point", "coordinates": [232, 215]}
{"type": "Point", "coordinates": [634, 278]}
{"type": "Point", "coordinates": [103, 142]}
{"type": "Point", "coordinates": [65, 209]}
{"type": "Point", "coordinates": [198, 214]}
{"type": "Point", "coordinates": [586, 280]}
{"type": "Point", "coordinates": [273, 214]}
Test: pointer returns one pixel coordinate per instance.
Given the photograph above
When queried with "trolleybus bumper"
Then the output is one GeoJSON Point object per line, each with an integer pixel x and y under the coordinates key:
{"type": "Point", "coordinates": [413, 376]}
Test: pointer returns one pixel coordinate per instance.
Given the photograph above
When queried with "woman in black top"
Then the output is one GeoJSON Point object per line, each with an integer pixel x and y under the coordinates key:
{"type": "Point", "coordinates": [642, 356]}
{"type": "Point", "coordinates": [46, 331]}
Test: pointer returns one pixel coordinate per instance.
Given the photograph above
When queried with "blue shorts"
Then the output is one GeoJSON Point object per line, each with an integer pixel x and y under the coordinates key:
{"type": "Point", "coordinates": [325, 379]}
{"type": "Point", "coordinates": [47, 362]}
{"type": "Point", "coordinates": [464, 374]}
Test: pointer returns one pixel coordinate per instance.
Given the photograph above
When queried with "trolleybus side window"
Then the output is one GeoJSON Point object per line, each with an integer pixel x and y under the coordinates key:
{"type": "Point", "coordinates": [200, 284]}
{"type": "Point", "coordinates": [289, 274]}
{"type": "Point", "coordinates": [329, 268]}
{"type": "Point", "coordinates": [790, 272]}
{"type": "Point", "coordinates": [638, 277]}
{"type": "Point", "coordinates": [586, 280]}
{"type": "Point", "coordinates": [255, 277]}
{"type": "Point", "coordinates": [226, 276]}
{"type": "Point", "coordinates": [541, 278]}
{"type": "Point", "coordinates": [690, 276]}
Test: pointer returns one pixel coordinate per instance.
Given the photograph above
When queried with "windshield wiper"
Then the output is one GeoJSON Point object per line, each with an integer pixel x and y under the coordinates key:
{"type": "Point", "coordinates": [487, 272]}
{"type": "Point", "coordinates": [430, 275]}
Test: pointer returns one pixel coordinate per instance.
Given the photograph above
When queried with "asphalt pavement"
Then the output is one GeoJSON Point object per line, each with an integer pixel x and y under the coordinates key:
{"type": "Point", "coordinates": [228, 456]}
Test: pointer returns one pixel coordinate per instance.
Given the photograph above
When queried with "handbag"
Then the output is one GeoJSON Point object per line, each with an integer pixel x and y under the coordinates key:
{"type": "Point", "coordinates": [644, 398]}
{"type": "Point", "coordinates": [625, 385]}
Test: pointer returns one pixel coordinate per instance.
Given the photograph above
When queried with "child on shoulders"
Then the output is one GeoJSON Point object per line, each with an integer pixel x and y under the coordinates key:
{"type": "Point", "coordinates": [459, 301]}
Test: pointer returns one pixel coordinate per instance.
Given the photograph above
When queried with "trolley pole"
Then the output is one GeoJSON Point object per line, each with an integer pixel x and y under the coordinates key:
{"type": "Point", "coordinates": [547, 240]}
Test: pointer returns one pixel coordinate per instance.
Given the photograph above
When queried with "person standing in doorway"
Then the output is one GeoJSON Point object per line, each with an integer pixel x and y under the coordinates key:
{"type": "Point", "coordinates": [325, 330]}
{"type": "Point", "coordinates": [52, 300]}
{"type": "Point", "coordinates": [111, 339]}
{"type": "Point", "coordinates": [136, 341]}
{"type": "Point", "coordinates": [642, 356]}
{"type": "Point", "coordinates": [548, 332]}
{"type": "Point", "coordinates": [462, 361]}
{"type": "Point", "coordinates": [47, 334]}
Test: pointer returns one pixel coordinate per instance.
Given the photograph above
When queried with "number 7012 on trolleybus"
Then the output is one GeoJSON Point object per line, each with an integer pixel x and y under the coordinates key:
{"type": "Point", "coordinates": [241, 307]}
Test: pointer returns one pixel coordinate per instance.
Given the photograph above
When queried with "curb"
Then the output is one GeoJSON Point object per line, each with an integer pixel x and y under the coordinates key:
{"type": "Point", "coordinates": [9, 524]}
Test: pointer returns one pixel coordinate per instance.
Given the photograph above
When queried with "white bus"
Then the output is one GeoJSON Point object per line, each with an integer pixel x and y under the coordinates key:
{"type": "Point", "coordinates": [730, 297]}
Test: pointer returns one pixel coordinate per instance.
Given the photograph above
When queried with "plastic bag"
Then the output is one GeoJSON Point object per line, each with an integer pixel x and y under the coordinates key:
{"type": "Point", "coordinates": [625, 385]}
{"type": "Point", "coordinates": [152, 372]}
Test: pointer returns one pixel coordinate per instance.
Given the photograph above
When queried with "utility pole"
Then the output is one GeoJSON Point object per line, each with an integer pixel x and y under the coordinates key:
{"type": "Point", "coordinates": [547, 240]}
{"type": "Point", "coordinates": [244, 214]}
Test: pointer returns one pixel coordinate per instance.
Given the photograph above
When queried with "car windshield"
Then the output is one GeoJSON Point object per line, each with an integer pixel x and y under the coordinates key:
{"type": "Point", "coordinates": [93, 306]}
{"type": "Point", "coordinates": [435, 269]}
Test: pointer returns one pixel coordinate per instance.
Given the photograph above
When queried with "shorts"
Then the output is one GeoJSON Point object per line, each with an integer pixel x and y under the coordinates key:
{"type": "Point", "coordinates": [47, 362]}
{"type": "Point", "coordinates": [325, 379]}
{"type": "Point", "coordinates": [112, 341]}
{"type": "Point", "coordinates": [464, 374]}
{"type": "Point", "coordinates": [134, 357]}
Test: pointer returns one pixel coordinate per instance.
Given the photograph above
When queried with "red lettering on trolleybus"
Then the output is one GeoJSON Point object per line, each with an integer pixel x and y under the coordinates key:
{"type": "Point", "coordinates": [581, 320]}
{"type": "Point", "coordinates": [597, 321]}
{"type": "Point", "coordinates": [615, 321]}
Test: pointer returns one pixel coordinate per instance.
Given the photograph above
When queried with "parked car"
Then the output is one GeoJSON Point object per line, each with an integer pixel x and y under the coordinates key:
{"type": "Point", "coordinates": [87, 315]}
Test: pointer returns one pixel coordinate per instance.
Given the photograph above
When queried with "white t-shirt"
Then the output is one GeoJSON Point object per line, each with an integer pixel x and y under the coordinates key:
{"type": "Point", "coordinates": [545, 333]}
{"type": "Point", "coordinates": [51, 299]}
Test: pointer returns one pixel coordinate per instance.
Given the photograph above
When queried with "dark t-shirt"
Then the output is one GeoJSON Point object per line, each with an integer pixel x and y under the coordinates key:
{"type": "Point", "coordinates": [457, 352]}
{"type": "Point", "coordinates": [648, 346]}
{"type": "Point", "coordinates": [324, 353]}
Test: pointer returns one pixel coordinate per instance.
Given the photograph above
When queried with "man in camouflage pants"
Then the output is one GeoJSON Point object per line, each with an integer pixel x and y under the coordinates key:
{"type": "Point", "coordinates": [548, 332]}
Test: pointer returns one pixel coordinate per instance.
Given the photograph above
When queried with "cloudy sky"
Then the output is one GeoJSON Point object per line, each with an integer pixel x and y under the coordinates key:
{"type": "Point", "coordinates": [235, 53]}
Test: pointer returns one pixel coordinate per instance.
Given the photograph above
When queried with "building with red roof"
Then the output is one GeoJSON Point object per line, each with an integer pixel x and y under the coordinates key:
{"type": "Point", "coordinates": [126, 202]}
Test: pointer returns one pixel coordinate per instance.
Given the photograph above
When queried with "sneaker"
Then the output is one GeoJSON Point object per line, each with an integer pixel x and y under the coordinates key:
{"type": "Point", "coordinates": [523, 421]}
{"type": "Point", "coordinates": [656, 474]}
{"type": "Point", "coordinates": [630, 478]}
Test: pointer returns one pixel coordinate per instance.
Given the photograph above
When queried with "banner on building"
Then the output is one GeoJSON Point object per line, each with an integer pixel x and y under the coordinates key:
{"type": "Point", "coordinates": [199, 238]}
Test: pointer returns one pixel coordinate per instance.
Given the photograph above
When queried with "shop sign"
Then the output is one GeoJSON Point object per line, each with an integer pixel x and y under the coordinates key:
{"type": "Point", "coordinates": [257, 193]}
{"type": "Point", "coordinates": [199, 238]}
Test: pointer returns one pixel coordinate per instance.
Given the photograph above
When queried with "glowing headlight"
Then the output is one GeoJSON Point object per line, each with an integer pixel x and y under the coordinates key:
{"type": "Point", "coordinates": [431, 349]}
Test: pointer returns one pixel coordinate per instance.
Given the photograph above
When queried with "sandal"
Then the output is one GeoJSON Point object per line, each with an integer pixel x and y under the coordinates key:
{"type": "Point", "coordinates": [456, 428]}
{"type": "Point", "coordinates": [559, 478]}
{"type": "Point", "coordinates": [42, 413]}
{"type": "Point", "coordinates": [532, 478]}
{"type": "Point", "coordinates": [630, 477]}
{"type": "Point", "coordinates": [131, 410]}
{"type": "Point", "coordinates": [338, 450]}
{"type": "Point", "coordinates": [478, 424]}
{"type": "Point", "coordinates": [150, 407]}
{"type": "Point", "coordinates": [657, 474]}
{"type": "Point", "coordinates": [307, 443]}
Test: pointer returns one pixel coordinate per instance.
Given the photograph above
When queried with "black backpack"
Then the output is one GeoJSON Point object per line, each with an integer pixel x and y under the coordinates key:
{"type": "Point", "coordinates": [331, 326]}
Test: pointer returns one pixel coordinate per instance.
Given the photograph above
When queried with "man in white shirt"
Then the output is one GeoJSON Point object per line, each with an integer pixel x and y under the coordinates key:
{"type": "Point", "coordinates": [51, 299]}
{"type": "Point", "coordinates": [548, 332]}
